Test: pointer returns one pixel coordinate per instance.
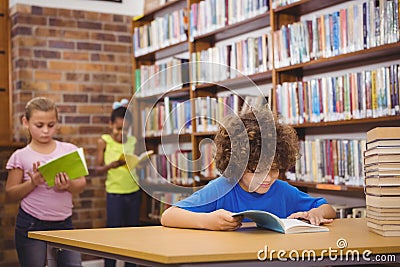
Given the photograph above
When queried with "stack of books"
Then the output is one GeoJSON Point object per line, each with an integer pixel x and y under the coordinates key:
{"type": "Point", "coordinates": [382, 180]}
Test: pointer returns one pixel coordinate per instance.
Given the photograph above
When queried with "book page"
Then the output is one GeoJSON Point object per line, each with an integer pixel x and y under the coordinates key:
{"type": "Point", "coordinates": [263, 219]}
{"type": "Point", "coordinates": [133, 160]}
{"type": "Point", "coordinates": [270, 221]}
{"type": "Point", "coordinates": [298, 226]}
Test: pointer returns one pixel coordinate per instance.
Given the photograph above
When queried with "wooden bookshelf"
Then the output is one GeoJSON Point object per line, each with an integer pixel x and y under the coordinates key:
{"type": "Point", "coordinates": [272, 19]}
{"type": "Point", "coordinates": [257, 78]}
{"type": "Point", "coordinates": [5, 95]}
{"type": "Point", "coordinates": [257, 22]}
{"type": "Point", "coordinates": [167, 51]}
{"type": "Point", "coordinates": [179, 93]}
{"type": "Point", "coordinates": [327, 187]}
{"type": "Point", "coordinates": [152, 7]}
{"type": "Point", "coordinates": [372, 55]}
{"type": "Point", "coordinates": [303, 7]}
{"type": "Point", "coordinates": [392, 120]}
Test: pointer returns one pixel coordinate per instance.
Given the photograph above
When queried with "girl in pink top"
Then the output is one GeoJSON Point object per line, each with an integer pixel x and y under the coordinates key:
{"type": "Point", "coordinates": [42, 207]}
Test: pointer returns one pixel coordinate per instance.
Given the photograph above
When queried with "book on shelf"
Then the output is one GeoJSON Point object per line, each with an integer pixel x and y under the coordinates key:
{"type": "Point", "coordinates": [73, 163]}
{"type": "Point", "coordinates": [392, 216]}
{"type": "Point", "coordinates": [267, 220]}
{"type": "Point", "coordinates": [383, 227]}
{"type": "Point", "coordinates": [383, 222]}
{"type": "Point", "coordinates": [385, 232]}
{"type": "Point", "coordinates": [383, 150]}
{"type": "Point", "coordinates": [383, 201]}
{"type": "Point", "coordinates": [382, 181]}
{"type": "Point", "coordinates": [394, 167]}
{"type": "Point", "coordinates": [380, 133]}
{"type": "Point", "coordinates": [384, 143]}
{"type": "Point", "coordinates": [334, 98]}
{"type": "Point", "coordinates": [382, 158]}
{"type": "Point", "coordinates": [131, 161]}
{"type": "Point", "coordinates": [384, 211]}
{"type": "Point", "coordinates": [383, 190]}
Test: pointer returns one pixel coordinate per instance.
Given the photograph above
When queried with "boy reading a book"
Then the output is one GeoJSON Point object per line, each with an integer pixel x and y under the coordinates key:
{"type": "Point", "coordinates": [123, 194]}
{"type": "Point", "coordinates": [42, 207]}
{"type": "Point", "coordinates": [251, 151]}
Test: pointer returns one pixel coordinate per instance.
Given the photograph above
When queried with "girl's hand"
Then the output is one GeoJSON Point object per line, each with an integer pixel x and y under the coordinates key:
{"type": "Point", "coordinates": [313, 216]}
{"type": "Point", "coordinates": [62, 181]}
{"type": "Point", "coordinates": [36, 176]}
{"type": "Point", "coordinates": [116, 164]}
{"type": "Point", "coordinates": [222, 220]}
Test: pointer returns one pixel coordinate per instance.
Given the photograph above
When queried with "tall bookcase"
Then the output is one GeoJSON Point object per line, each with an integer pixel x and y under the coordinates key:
{"type": "Point", "coordinates": [338, 47]}
{"type": "Point", "coordinates": [5, 134]}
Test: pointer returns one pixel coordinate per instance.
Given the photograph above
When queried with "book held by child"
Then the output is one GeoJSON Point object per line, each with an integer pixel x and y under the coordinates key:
{"type": "Point", "coordinates": [73, 163]}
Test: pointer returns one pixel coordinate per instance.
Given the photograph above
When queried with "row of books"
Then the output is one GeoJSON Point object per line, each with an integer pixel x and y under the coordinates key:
{"type": "Point", "coordinates": [161, 77]}
{"type": "Point", "coordinates": [161, 32]}
{"type": "Point", "coordinates": [222, 62]}
{"type": "Point", "coordinates": [210, 111]}
{"type": "Point", "coordinates": [210, 15]}
{"type": "Point", "coordinates": [357, 27]}
{"type": "Point", "coordinates": [161, 201]}
{"type": "Point", "coordinates": [174, 116]}
{"type": "Point", "coordinates": [370, 93]}
{"type": "Point", "coordinates": [333, 161]}
{"type": "Point", "coordinates": [382, 180]}
{"type": "Point", "coordinates": [167, 117]}
{"type": "Point", "coordinates": [176, 168]}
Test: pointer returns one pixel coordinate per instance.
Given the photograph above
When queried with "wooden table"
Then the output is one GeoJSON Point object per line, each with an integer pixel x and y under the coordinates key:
{"type": "Point", "coordinates": [162, 246]}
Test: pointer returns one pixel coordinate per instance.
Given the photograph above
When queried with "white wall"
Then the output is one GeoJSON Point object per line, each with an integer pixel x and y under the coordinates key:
{"type": "Point", "coordinates": [127, 7]}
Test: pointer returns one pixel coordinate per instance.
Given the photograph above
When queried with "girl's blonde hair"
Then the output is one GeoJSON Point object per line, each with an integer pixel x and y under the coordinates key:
{"type": "Point", "coordinates": [41, 104]}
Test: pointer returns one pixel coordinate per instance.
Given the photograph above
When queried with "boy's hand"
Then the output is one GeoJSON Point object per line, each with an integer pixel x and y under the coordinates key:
{"type": "Point", "coordinates": [36, 176]}
{"type": "Point", "coordinates": [313, 216]}
{"type": "Point", "coordinates": [222, 220]}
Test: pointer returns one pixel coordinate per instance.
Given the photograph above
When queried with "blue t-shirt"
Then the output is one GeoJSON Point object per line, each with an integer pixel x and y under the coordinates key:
{"type": "Point", "coordinates": [282, 199]}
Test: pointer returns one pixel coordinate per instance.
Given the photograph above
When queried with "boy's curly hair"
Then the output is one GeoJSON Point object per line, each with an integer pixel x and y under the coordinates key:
{"type": "Point", "coordinates": [242, 141]}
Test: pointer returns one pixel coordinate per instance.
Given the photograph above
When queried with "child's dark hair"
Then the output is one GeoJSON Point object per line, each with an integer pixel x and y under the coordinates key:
{"type": "Point", "coordinates": [232, 157]}
{"type": "Point", "coordinates": [121, 112]}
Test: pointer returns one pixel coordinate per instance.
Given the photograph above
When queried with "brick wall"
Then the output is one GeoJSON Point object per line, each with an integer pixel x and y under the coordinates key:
{"type": "Point", "coordinates": [82, 60]}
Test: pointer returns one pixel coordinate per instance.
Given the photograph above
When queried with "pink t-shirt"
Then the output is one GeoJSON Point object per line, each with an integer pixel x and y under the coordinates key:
{"type": "Point", "coordinates": [43, 203]}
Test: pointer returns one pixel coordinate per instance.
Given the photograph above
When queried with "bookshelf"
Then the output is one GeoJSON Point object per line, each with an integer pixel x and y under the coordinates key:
{"type": "Point", "coordinates": [351, 54]}
{"type": "Point", "coordinates": [5, 115]}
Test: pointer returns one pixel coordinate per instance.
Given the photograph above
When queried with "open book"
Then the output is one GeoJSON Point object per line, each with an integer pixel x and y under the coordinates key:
{"type": "Point", "coordinates": [73, 163]}
{"type": "Point", "coordinates": [133, 160]}
{"type": "Point", "coordinates": [272, 222]}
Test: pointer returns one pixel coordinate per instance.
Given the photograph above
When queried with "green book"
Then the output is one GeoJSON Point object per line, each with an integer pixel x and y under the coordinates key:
{"type": "Point", "coordinates": [73, 163]}
{"type": "Point", "coordinates": [137, 81]}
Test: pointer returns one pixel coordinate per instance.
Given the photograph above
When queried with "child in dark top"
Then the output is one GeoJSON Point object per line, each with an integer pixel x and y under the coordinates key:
{"type": "Point", "coordinates": [123, 192]}
{"type": "Point", "coordinates": [250, 169]}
